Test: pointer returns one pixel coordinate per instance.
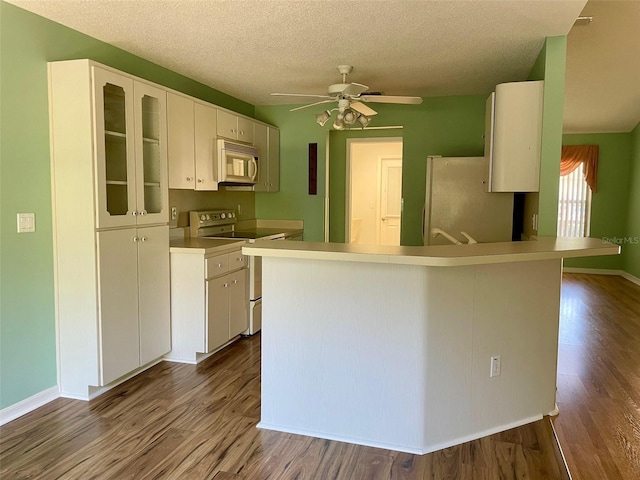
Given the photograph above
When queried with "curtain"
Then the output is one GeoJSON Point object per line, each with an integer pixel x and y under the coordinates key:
{"type": "Point", "coordinates": [574, 155]}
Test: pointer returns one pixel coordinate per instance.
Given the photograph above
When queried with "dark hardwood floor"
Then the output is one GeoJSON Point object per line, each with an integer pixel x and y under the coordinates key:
{"type": "Point", "coordinates": [186, 422]}
{"type": "Point", "coordinates": [599, 377]}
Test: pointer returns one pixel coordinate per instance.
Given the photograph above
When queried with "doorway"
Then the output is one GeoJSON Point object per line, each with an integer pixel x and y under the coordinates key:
{"type": "Point", "coordinates": [374, 191]}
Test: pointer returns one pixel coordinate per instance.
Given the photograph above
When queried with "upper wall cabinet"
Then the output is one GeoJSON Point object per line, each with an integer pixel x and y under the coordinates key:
{"type": "Point", "coordinates": [267, 139]}
{"type": "Point", "coordinates": [129, 141]}
{"type": "Point", "coordinates": [192, 144]}
{"type": "Point", "coordinates": [234, 127]}
{"type": "Point", "coordinates": [513, 137]}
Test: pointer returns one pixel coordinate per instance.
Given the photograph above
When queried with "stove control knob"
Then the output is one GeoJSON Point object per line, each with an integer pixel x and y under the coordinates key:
{"type": "Point", "coordinates": [223, 216]}
{"type": "Point", "coordinates": [208, 217]}
{"type": "Point", "coordinates": [202, 217]}
{"type": "Point", "coordinates": [232, 214]}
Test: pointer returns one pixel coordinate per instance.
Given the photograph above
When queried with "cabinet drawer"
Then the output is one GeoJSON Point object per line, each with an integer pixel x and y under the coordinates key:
{"type": "Point", "coordinates": [217, 265]}
{"type": "Point", "coordinates": [237, 260]}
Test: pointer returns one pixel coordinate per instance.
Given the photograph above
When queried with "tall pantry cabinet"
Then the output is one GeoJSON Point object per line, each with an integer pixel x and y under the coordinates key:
{"type": "Point", "coordinates": [111, 234]}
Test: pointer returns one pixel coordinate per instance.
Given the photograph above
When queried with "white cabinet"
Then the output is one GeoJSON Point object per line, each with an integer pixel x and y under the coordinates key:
{"type": "Point", "coordinates": [234, 127]}
{"type": "Point", "coordinates": [111, 241]}
{"type": "Point", "coordinates": [192, 134]}
{"type": "Point", "coordinates": [513, 136]}
{"type": "Point", "coordinates": [267, 139]}
{"type": "Point", "coordinates": [209, 302]}
{"type": "Point", "coordinates": [133, 291]}
{"type": "Point", "coordinates": [227, 304]}
{"type": "Point", "coordinates": [131, 150]}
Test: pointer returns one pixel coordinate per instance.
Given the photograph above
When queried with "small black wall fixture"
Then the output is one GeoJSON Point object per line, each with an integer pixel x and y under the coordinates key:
{"type": "Point", "coordinates": [313, 169]}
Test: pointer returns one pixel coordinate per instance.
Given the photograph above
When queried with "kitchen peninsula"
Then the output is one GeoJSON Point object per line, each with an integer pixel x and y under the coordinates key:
{"type": "Point", "coordinates": [411, 348]}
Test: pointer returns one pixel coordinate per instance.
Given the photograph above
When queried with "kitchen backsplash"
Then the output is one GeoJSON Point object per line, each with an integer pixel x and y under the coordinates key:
{"type": "Point", "coordinates": [186, 200]}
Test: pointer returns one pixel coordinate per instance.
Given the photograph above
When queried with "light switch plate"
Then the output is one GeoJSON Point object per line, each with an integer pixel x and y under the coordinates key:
{"type": "Point", "coordinates": [26, 222]}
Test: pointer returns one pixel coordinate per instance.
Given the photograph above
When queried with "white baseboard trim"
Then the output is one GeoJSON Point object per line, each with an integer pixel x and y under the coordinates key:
{"type": "Point", "coordinates": [592, 271]}
{"type": "Point", "coordinates": [402, 448]}
{"type": "Point", "coordinates": [340, 438]}
{"type": "Point", "coordinates": [602, 271]}
{"type": "Point", "coordinates": [481, 434]}
{"type": "Point", "coordinates": [28, 404]}
{"type": "Point", "coordinates": [631, 278]}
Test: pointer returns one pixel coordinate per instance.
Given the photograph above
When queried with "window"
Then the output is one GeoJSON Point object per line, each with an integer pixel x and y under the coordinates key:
{"type": "Point", "coordinates": [574, 204]}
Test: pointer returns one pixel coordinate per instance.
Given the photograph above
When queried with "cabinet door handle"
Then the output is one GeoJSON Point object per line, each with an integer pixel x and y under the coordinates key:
{"type": "Point", "coordinates": [235, 281]}
{"type": "Point", "coordinates": [219, 265]}
{"type": "Point", "coordinates": [226, 285]}
{"type": "Point", "coordinates": [143, 239]}
{"type": "Point", "coordinates": [135, 239]}
{"type": "Point", "coordinates": [200, 180]}
{"type": "Point", "coordinates": [143, 212]}
{"type": "Point", "coordinates": [189, 179]}
{"type": "Point", "coordinates": [134, 213]}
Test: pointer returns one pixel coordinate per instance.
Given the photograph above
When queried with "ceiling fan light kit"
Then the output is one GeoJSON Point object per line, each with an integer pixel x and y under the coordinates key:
{"type": "Point", "coordinates": [351, 110]}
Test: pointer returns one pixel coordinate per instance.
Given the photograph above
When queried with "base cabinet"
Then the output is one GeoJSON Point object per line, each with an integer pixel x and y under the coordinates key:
{"type": "Point", "coordinates": [134, 297]}
{"type": "Point", "coordinates": [226, 308]}
{"type": "Point", "coordinates": [209, 302]}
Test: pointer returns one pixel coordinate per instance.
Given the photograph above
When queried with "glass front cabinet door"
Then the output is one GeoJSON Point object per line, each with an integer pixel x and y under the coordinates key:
{"type": "Point", "coordinates": [131, 151]}
{"type": "Point", "coordinates": [150, 112]}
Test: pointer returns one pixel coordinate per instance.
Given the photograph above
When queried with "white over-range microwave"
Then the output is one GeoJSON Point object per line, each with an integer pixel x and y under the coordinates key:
{"type": "Point", "coordinates": [239, 163]}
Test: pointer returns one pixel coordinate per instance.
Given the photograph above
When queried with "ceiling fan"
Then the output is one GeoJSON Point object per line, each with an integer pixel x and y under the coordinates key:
{"type": "Point", "coordinates": [350, 98]}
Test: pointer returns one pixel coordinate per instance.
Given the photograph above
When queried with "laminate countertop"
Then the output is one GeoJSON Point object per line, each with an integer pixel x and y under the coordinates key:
{"type": "Point", "coordinates": [544, 248]}
{"type": "Point", "coordinates": [204, 246]}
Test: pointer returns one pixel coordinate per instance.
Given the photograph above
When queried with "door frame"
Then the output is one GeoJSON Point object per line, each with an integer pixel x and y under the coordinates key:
{"type": "Point", "coordinates": [347, 202]}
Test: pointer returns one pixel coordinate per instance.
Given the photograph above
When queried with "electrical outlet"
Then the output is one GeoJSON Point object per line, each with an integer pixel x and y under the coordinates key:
{"type": "Point", "coordinates": [174, 213]}
{"type": "Point", "coordinates": [495, 366]}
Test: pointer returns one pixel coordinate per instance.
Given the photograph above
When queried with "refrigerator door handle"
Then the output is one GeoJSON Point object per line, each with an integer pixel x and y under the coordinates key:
{"type": "Point", "coordinates": [424, 209]}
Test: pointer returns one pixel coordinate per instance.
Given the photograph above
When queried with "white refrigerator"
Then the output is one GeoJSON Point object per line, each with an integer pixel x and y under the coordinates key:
{"type": "Point", "coordinates": [457, 201]}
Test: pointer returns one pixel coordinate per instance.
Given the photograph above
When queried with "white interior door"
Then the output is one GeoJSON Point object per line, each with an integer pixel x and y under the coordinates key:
{"type": "Point", "coordinates": [390, 200]}
{"type": "Point", "coordinates": [367, 181]}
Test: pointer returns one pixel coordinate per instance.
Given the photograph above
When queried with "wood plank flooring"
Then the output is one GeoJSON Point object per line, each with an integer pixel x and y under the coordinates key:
{"type": "Point", "coordinates": [599, 377]}
{"type": "Point", "coordinates": [186, 422]}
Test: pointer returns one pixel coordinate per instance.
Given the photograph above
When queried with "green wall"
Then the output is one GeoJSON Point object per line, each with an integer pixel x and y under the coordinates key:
{"type": "Point", "coordinates": [610, 205]}
{"type": "Point", "coordinates": [297, 131]}
{"type": "Point", "coordinates": [631, 249]}
{"type": "Point", "coordinates": [27, 42]}
{"type": "Point", "coordinates": [550, 67]}
{"type": "Point", "coordinates": [448, 126]}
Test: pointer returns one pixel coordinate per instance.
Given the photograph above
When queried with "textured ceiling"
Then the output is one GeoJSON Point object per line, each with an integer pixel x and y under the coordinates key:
{"type": "Point", "coordinates": [250, 48]}
{"type": "Point", "coordinates": [603, 69]}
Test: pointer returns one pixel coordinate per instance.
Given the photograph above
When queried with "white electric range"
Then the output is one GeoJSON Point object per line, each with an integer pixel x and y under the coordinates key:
{"type": "Point", "coordinates": [221, 224]}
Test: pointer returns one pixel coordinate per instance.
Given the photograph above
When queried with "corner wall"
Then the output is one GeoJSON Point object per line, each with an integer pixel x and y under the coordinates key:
{"type": "Point", "coordinates": [27, 322]}
{"type": "Point", "coordinates": [297, 131]}
{"type": "Point", "coordinates": [550, 67]}
{"type": "Point", "coordinates": [610, 205]}
{"type": "Point", "coordinates": [631, 250]}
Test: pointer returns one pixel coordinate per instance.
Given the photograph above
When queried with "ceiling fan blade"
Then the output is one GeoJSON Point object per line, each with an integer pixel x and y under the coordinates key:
{"type": "Point", "coordinates": [300, 95]}
{"type": "Point", "coordinates": [363, 109]}
{"type": "Point", "coordinates": [311, 105]}
{"type": "Point", "coordinates": [391, 99]}
{"type": "Point", "coordinates": [355, 89]}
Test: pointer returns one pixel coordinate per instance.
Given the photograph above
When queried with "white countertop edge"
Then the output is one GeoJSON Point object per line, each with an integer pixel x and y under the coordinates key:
{"type": "Point", "coordinates": [545, 248]}
{"type": "Point", "coordinates": [197, 246]}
